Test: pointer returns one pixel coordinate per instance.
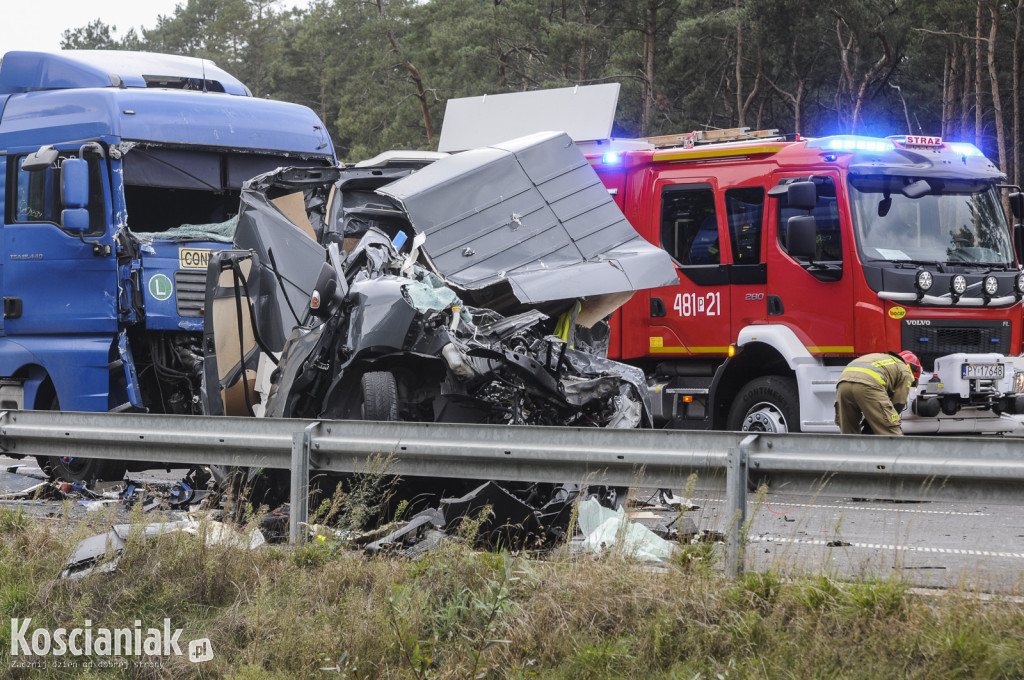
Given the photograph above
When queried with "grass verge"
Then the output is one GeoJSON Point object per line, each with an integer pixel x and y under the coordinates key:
{"type": "Point", "coordinates": [461, 613]}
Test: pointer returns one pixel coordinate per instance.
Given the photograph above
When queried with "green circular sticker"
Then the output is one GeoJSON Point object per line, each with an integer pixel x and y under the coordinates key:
{"type": "Point", "coordinates": [160, 287]}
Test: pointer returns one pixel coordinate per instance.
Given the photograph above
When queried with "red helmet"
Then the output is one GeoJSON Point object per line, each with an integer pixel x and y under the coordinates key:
{"type": "Point", "coordinates": [912, 361]}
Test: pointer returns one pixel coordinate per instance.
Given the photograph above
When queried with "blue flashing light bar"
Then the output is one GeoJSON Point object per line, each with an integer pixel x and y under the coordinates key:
{"type": "Point", "coordinates": [852, 143]}
{"type": "Point", "coordinates": [964, 149]}
{"type": "Point", "coordinates": [610, 158]}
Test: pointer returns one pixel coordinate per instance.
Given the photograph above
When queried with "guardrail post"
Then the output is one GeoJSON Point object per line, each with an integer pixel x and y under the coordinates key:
{"type": "Point", "coordinates": [736, 495]}
{"type": "Point", "coordinates": [299, 515]}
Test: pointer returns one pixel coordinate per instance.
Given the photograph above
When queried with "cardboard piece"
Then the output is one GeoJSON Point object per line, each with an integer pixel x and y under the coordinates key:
{"type": "Point", "coordinates": [293, 206]}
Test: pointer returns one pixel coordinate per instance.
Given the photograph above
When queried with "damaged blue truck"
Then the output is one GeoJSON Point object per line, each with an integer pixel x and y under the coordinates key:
{"type": "Point", "coordinates": [121, 173]}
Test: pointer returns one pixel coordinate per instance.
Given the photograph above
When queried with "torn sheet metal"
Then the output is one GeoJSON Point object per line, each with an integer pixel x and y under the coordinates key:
{"type": "Point", "coordinates": [414, 532]}
{"type": "Point", "coordinates": [530, 214]}
{"type": "Point", "coordinates": [454, 364]}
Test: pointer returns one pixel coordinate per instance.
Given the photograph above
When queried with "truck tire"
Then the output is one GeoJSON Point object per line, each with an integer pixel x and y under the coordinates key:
{"type": "Point", "coordinates": [70, 469]}
{"type": "Point", "coordinates": [766, 404]}
{"type": "Point", "coordinates": [380, 396]}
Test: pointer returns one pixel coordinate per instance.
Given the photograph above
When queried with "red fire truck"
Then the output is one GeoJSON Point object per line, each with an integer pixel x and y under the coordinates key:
{"type": "Point", "coordinates": [795, 256]}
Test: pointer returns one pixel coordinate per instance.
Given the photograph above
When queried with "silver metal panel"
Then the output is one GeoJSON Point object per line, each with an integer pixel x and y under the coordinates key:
{"type": "Point", "coordinates": [585, 113]}
{"type": "Point", "coordinates": [532, 212]}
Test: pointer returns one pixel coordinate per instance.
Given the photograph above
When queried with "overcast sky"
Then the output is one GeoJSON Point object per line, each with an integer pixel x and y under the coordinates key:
{"type": "Point", "coordinates": [38, 24]}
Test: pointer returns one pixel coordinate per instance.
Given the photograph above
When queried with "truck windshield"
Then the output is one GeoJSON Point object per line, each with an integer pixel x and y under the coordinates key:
{"type": "Point", "coordinates": [954, 222]}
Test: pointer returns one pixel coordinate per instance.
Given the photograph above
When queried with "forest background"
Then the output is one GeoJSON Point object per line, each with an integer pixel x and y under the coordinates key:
{"type": "Point", "coordinates": [379, 72]}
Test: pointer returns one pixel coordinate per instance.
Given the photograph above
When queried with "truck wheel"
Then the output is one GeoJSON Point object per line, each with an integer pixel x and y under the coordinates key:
{"type": "Point", "coordinates": [70, 469]}
{"type": "Point", "coordinates": [380, 396]}
{"type": "Point", "coordinates": [767, 404]}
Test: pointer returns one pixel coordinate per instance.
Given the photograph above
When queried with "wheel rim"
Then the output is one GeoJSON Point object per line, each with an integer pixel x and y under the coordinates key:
{"type": "Point", "coordinates": [765, 417]}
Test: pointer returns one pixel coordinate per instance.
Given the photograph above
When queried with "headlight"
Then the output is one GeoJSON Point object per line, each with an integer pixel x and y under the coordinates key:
{"type": "Point", "coordinates": [958, 284]}
{"type": "Point", "coordinates": [991, 285]}
{"type": "Point", "coordinates": [924, 280]}
{"type": "Point", "coordinates": [1020, 283]}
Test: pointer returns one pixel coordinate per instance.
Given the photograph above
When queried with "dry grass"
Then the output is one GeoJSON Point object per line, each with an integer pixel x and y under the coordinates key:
{"type": "Point", "coordinates": [460, 613]}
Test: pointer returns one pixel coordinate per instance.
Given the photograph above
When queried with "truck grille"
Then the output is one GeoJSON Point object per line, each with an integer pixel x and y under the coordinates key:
{"type": "Point", "coordinates": [190, 291]}
{"type": "Point", "coordinates": [941, 337]}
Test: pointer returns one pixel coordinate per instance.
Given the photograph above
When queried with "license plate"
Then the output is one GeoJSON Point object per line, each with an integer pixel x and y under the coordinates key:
{"type": "Point", "coordinates": [988, 371]}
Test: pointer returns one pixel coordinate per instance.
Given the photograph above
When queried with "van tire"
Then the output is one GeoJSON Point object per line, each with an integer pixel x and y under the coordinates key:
{"type": "Point", "coordinates": [380, 396]}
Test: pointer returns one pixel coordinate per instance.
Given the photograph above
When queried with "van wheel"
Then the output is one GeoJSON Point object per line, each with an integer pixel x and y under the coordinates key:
{"type": "Point", "coordinates": [71, 469]}
{"type": "Point", "coordinates": [767, 404]}
{"type": "Point", "coordinates": [380, 396]}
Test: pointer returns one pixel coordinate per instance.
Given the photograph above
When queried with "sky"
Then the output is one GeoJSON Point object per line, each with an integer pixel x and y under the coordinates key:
{"type": "Point", "coordinates": [38, 24]}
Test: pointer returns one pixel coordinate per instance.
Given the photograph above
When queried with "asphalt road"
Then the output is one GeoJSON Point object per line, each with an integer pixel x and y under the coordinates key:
{"type": "Point", "coordinates": [930, 545]}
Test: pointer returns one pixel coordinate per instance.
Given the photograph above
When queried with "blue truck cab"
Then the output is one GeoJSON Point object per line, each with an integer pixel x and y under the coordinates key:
{"type": "Point", "coordinates": [121, 172]}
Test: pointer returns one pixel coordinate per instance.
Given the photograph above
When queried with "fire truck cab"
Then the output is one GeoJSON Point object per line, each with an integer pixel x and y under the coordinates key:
{"type": "Point", "coordinates": [797, 255]}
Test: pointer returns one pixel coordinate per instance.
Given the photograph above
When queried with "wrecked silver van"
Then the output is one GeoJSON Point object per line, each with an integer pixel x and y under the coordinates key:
{"type": "Point", "coordinates": [464, 288]}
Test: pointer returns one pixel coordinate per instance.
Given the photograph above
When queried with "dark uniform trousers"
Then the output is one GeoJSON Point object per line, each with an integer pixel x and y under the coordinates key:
{"type": "Point", "coordinates": [867, 388]}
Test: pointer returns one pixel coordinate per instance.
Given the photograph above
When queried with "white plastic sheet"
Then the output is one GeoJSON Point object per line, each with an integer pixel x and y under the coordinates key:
{"type": "Point", "coordinates": [603, 528]}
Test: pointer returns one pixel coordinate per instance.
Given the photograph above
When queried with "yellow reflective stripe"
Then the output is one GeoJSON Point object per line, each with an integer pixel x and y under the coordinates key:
{"type": "Point", "coordinates": [830, 349]}
{"type": "Point", "coordinates": [858, 369]}
{"type": "Point", "coordinates": [689, 350]}
{"type": "Point", "coordinates": [695, 154]}
{"type": "Point", "coordinates": [885, 362]}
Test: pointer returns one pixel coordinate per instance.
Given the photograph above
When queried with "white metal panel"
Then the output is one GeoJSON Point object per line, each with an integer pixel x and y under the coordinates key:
{"type": "Point", "coordinates": [584, 112]}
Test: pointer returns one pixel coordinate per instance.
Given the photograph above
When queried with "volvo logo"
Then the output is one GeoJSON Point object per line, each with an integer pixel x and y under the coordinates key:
{"type": "Point", "coordinates": [917, 322]}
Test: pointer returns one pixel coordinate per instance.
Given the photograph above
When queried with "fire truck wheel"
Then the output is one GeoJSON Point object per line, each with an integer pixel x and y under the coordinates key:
{"type": "Point", "coordinates": [380, 396]}
{"type": "Point", "coordinates": [767, 404]}
{"type": "Point", "coordinates": [71, 469]}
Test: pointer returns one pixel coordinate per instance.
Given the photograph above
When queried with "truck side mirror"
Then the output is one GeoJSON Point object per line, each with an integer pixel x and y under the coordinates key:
{"type": "Point", "coordinates": [75, 183]}
{"type": "Point", "coordinates": [802, 236]}
{"type": "Point", "coordinates": [39, 160]}
{"type": "Point", "coordinates": [75, 220]}
{"type": "Point", "coordinates": [802, 195]}
{"type": "Point", "coordinates": [1018, 241]}
{"type": "Point", "coordinates": [1017, 204]}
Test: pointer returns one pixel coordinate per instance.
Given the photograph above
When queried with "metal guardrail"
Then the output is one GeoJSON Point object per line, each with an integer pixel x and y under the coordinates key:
{"type": "Point", "coordinates": [900, 468]}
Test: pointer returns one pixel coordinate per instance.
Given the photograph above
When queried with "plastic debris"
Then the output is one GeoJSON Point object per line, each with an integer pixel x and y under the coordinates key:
{"type": "Point", "coordinates": [604, 528]}
{"type": "Point", "coordinates": [90, 555]}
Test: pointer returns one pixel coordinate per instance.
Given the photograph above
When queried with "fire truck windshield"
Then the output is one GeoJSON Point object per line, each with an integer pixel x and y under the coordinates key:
{"type": "Point", "coordinates": [954, 222]}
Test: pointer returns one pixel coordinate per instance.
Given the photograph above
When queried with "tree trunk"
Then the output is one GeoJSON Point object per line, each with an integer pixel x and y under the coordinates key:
{"type": "Point", "coordinates": [965, 94]}
{"type": "Point", "coordinates": [946, 93]}
{"type": "Point", "coordinates": [499, 54]}
{"type": "Point", "coordinates": [869, 75]}
{"type": "Point", "coordinates": [993, 77]}
{"type": "Point", "coordinates": [753, 93]}
{"type": "Point", "coordinates": [979, 123]}
{"type": "Point", "coordinates": [417, 80]}
{"type": "Point", "coordinates": [565, 20]}
{"type": "Point", "coordinates": [583, 43]}
{"type": "Point", "coordinates": [740, 109]}
{"type": "Point", "coordinates": [1017, 40]}
{"type": "Point", "coordinates": [845, 78]}
{"type": "Point", "coordinates": [650, 28]}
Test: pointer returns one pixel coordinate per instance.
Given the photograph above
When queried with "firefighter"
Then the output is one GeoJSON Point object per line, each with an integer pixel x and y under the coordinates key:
{"type": "Point", "coordinates": [876, 387]}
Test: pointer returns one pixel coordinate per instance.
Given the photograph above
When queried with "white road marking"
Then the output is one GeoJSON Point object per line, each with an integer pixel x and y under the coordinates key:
{"type": "Point", "coordinates": [898, 507]}
{"type": "Point", "coordinates": [879, 546]}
